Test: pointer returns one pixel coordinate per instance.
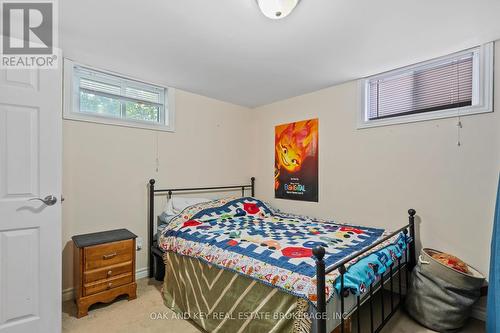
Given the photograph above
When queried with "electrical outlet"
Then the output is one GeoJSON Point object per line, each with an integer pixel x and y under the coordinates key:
{"type": "Point", "coordinates": [138, 243]}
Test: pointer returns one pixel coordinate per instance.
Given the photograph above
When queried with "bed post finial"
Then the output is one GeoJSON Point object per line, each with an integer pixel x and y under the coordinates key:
{"type": "Point", "coordinates": [319, 254]}
{"type": "Point", "coordinates": [152, 181]}
{"type": "Point", "coordinates": [411, 226]}
{"type": "Point", "coordinates": [252, 181]}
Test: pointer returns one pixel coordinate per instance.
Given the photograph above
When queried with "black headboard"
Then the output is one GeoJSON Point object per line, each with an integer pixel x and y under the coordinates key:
{"type": "Point", "coordinates": [152, 245]}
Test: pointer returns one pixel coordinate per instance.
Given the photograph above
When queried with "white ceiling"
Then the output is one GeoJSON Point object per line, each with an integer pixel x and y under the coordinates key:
{"type": "Point", "coordinates": [226, 49]}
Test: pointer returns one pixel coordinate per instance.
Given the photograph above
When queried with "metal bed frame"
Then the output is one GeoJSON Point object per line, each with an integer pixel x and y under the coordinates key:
{"type": "Point", "coordinates": [156, 267]}
{"type": "Point", "coordinates": [321, 271]}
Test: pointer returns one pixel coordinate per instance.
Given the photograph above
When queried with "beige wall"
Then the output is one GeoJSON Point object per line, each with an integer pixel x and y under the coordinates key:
{"type": "Point", "coordinates": [368, 177]}
{"type": "Point", "coordinates": [106, 168]}
{"type": "Point", "coordinates": [372, 176]}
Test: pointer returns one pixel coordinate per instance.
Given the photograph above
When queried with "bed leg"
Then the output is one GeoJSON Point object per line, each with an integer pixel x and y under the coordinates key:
{"type": "Point", "coordinates": [319, 254]}
{"type": "Point", "coordinates": [159, 269]}
{"type": "Point", "coordinates": [411, 219]}
{"type": "Point", "coordinates": [150, 267]}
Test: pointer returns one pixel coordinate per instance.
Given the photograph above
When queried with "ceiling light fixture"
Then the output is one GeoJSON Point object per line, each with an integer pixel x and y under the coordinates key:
{"type": "Point", "coordinates": [277, 9]}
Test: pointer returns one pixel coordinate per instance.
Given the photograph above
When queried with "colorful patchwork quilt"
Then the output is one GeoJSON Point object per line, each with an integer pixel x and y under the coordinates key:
{"type": "Point", "coordinates": [247, 236]}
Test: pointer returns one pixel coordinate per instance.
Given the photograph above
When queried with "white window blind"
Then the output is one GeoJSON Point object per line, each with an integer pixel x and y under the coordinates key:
{"type": "Point", "coordinates": [106, 95]}
{"type": "Point", "coordinates": [439, 87]}
{"type": "Point", "coordinates": [457, 84]}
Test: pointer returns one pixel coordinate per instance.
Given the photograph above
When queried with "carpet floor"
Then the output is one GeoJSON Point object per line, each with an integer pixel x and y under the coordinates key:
{"type": "Point", "coordinates": [147, 314]}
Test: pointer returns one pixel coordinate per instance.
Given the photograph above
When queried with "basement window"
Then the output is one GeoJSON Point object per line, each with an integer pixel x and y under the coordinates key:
{"type": "Point", "coordinates": [450, 86]}
{"type": "Point", "coordinates": [104, 97]}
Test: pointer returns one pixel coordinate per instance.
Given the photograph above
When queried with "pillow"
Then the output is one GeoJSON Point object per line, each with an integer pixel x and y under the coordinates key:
{"type": "Point", "coordinates": [165, 218]}
{"type": "Point", "coordinates": [176, 205]}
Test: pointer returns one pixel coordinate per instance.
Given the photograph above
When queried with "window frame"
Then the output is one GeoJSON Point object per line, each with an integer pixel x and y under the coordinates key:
{"type": "Point", "coordinates": [72, 101]}
{"type": "Point", "coordinates": [482, 89]}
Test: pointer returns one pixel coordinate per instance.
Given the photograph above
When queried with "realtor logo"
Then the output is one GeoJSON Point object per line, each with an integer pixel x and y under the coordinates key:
{"type": "Point", "coordinates": [28, 34]}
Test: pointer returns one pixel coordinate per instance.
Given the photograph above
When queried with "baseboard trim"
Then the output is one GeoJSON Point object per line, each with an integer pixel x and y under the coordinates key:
{"type": "Point", "coordinates": [67, 294]}
{"type": "Point", "coordinates": [141, 273]}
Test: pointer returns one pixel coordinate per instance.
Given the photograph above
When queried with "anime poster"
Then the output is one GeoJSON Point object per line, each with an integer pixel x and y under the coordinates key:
{"type": "Point", "coordinates": [296, 161]}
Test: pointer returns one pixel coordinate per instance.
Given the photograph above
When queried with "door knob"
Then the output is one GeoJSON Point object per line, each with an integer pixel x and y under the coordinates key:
{"type": "Point", "coordinates": [49, 200]}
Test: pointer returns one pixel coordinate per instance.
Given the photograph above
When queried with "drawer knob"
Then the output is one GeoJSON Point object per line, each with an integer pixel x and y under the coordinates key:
{"type": "Point", "coordinates": [109, 256]}
{"type": "Point", "coordinates": [109, 273]}
{"type": "Point", "coordinates": [110, 285]}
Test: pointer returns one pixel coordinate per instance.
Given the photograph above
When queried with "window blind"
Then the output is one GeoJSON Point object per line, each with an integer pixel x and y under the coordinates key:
{"type": "Point", "coordinates": [117, 97]}
{"type": "Point", "coordinates": [439, 86]}
{"type": "Point", "coordinates": [114, 86]}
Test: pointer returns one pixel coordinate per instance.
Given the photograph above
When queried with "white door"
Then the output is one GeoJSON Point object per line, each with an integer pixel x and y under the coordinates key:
{"type": "Point", "coordinates": [30, 230]}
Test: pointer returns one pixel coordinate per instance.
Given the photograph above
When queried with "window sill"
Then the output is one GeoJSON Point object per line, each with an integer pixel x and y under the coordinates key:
{"type": "Point", "coordinates": [434, 115]}
{"type": "Point", "coordinates": [116, 122]}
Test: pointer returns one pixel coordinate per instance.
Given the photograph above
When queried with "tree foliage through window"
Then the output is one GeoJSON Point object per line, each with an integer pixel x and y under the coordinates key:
{"type": "Point", "coordinates": [113, 107]}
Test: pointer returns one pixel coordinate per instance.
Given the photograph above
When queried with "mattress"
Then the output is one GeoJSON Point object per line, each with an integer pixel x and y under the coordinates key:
{"type": "Point", "coordinates": [247, 238]}
{"type": "Point", "coordinates": [220, 300]}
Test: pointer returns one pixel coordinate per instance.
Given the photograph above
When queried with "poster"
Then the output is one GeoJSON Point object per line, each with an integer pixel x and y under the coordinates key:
{"type": "Point", "coordinates": [296, 161]}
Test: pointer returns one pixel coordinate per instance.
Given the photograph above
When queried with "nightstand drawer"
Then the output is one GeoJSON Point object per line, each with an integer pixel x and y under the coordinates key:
{"type": "Point", "coordinates": [104, 255]}
{"type": "Point", "coordinates": [96, 287]}
{"type": "Point", "coordinates": [107, 272]}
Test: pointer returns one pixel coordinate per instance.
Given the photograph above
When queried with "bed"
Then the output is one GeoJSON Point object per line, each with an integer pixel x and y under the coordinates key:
{"type": "Point", "coordinates": [239, 265]}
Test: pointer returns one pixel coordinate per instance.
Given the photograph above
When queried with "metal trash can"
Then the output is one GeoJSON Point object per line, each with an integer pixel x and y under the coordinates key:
{"type": "Point", "coordinates": [440, 297]}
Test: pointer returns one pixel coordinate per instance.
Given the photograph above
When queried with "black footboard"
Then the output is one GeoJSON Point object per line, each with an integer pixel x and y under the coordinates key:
{"type": "Point", "coordinates": [407, 266]}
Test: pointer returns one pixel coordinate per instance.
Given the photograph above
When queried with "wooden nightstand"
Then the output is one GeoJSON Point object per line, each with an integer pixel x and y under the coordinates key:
{"type": "Point", "coordinates": [104, 267]}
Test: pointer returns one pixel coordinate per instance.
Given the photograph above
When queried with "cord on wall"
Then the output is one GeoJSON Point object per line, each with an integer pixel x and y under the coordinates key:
{"type": "Point", "coordinates": [459, 128]}
{"type": "Point", "coordinates": [157, 158]}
